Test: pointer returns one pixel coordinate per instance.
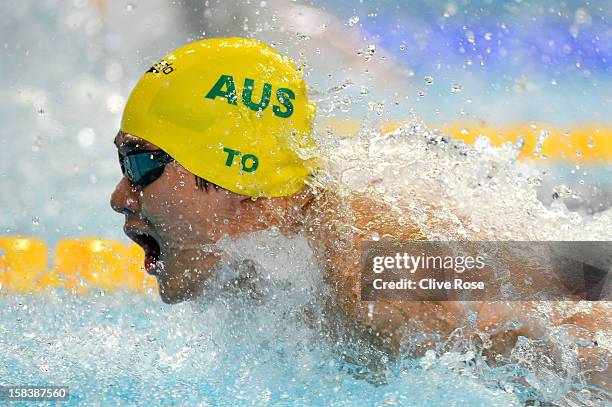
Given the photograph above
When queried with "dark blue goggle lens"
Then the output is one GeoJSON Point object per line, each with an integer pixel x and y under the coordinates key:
{"type": "Point", "coordinates": [144, 167]}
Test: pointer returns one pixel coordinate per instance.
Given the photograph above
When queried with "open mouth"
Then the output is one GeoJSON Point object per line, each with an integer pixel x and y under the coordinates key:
{"type": "Point", "coordinates": [151, 248]}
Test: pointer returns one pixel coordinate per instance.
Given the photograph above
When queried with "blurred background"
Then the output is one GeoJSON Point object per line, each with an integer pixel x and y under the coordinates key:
{"type": "Point", "coordinates": [538, 71]}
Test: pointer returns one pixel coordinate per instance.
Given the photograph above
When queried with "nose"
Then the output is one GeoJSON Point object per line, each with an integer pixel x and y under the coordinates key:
{"type": "Point", "coordinates": [125, 199]}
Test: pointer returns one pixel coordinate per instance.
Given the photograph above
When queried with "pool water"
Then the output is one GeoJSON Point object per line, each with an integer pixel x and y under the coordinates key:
{"type": "Point", "coordinates": [122, 348]}
{"type": "Point", "coordinates": [231, 347]}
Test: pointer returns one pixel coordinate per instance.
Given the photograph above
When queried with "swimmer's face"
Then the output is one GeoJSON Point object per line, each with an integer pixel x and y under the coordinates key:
{"type": "Point", "coordinates": [171, 218]}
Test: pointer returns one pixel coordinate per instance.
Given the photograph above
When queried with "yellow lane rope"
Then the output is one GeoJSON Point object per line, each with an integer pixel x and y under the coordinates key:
{"type": "Point", "coordinates": [79, 265]}
{"type": "Point", "coordinates": [587, 143]}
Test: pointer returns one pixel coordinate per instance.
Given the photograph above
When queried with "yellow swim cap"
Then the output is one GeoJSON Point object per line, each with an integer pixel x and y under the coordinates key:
{"type": "Point", "coordinates": [231, 110]}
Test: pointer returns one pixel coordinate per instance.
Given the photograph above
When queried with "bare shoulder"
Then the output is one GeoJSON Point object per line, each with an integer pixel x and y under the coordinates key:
{"type": "Point", "coordinates": [343, 226]}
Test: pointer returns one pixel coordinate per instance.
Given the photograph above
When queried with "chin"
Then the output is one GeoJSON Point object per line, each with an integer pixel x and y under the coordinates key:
{"type": "Point", "coordinates": [175, 285]}
{"type": "Point", "coordinates": [174, 295]}
{"type": "Point", "coordinates": [171, 299]}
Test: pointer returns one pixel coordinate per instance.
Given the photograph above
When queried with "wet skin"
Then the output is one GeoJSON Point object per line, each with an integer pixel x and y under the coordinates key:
{"type": "Point", "coordinates": [178, 217]}
{"type": "Point", "coordinates": [171, 218]}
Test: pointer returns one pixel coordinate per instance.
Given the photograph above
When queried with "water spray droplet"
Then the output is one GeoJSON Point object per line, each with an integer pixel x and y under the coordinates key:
{"type": "Point", "coordinates": [590, 143]}
{"type": "Point", "coordinates": [353, 20]}
{"type": "Point", "coordinates": [540, 141]}
{"type": "Point", "coordinates": [86, 136]}
{"type": "Point", "coordinates": [470, 37]}
{"type": "Point", "coordinates": [371, 307]}
{"type": "Point", "coordinates": [114, 103]}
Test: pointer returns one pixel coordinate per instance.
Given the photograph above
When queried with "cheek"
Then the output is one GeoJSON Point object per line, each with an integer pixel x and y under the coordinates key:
{"type": "Point", "coordinates": [181, 213]}
{"type": "Point", "coordinates": [216, 215]}
{"type": "Point", "coordinates": [157, 204]}
{"type": "Point", "coordinates": [169, 196]}
{"type": "Point", "coordinates": [185, 211]}
{"type": "Point", "coordinates": [210, 217]}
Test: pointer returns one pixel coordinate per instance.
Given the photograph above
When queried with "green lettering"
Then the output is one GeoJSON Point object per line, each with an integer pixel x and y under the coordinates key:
{"type": "Point", "coordinates": [254, 164]}
{"type": "Point", "coordinates": [230, 156]}
{"type": "Point", "coordinates": [229, 93]}
{"type": "Point", "coordinates": [247, 95]}
{"type": "Point", "coordinates": [283, 95]}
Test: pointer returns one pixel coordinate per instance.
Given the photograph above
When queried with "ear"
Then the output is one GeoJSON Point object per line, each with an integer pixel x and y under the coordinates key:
{"type": "Point", "coordinates": [302, 200]}
{"type": "Point", "coordinates": [254, 206]}
{"type": "Point", "coordinates": [305, 198]}
{"type": "Point", "coordinates": [247, 200]}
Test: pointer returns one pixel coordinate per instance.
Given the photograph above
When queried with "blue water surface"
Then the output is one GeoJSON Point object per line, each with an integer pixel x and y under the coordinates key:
{"type": "Point", "coordinates": [122, 348]}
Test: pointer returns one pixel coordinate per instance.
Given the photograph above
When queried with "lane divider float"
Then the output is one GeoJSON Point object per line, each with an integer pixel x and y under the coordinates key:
{"type": "Point", "coordinates": [79, 266]}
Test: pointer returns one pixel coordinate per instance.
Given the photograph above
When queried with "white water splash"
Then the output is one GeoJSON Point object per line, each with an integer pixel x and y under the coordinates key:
{"type": "Point", "coordinates": [481, 189]}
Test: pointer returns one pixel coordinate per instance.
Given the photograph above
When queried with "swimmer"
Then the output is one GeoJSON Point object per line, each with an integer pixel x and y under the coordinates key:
{"type": "Point", "coordinates": [216, 140]}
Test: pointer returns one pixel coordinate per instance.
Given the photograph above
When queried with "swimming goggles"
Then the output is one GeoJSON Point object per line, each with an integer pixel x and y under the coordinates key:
{"type": "Point", "coordinates": [144, 167]}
